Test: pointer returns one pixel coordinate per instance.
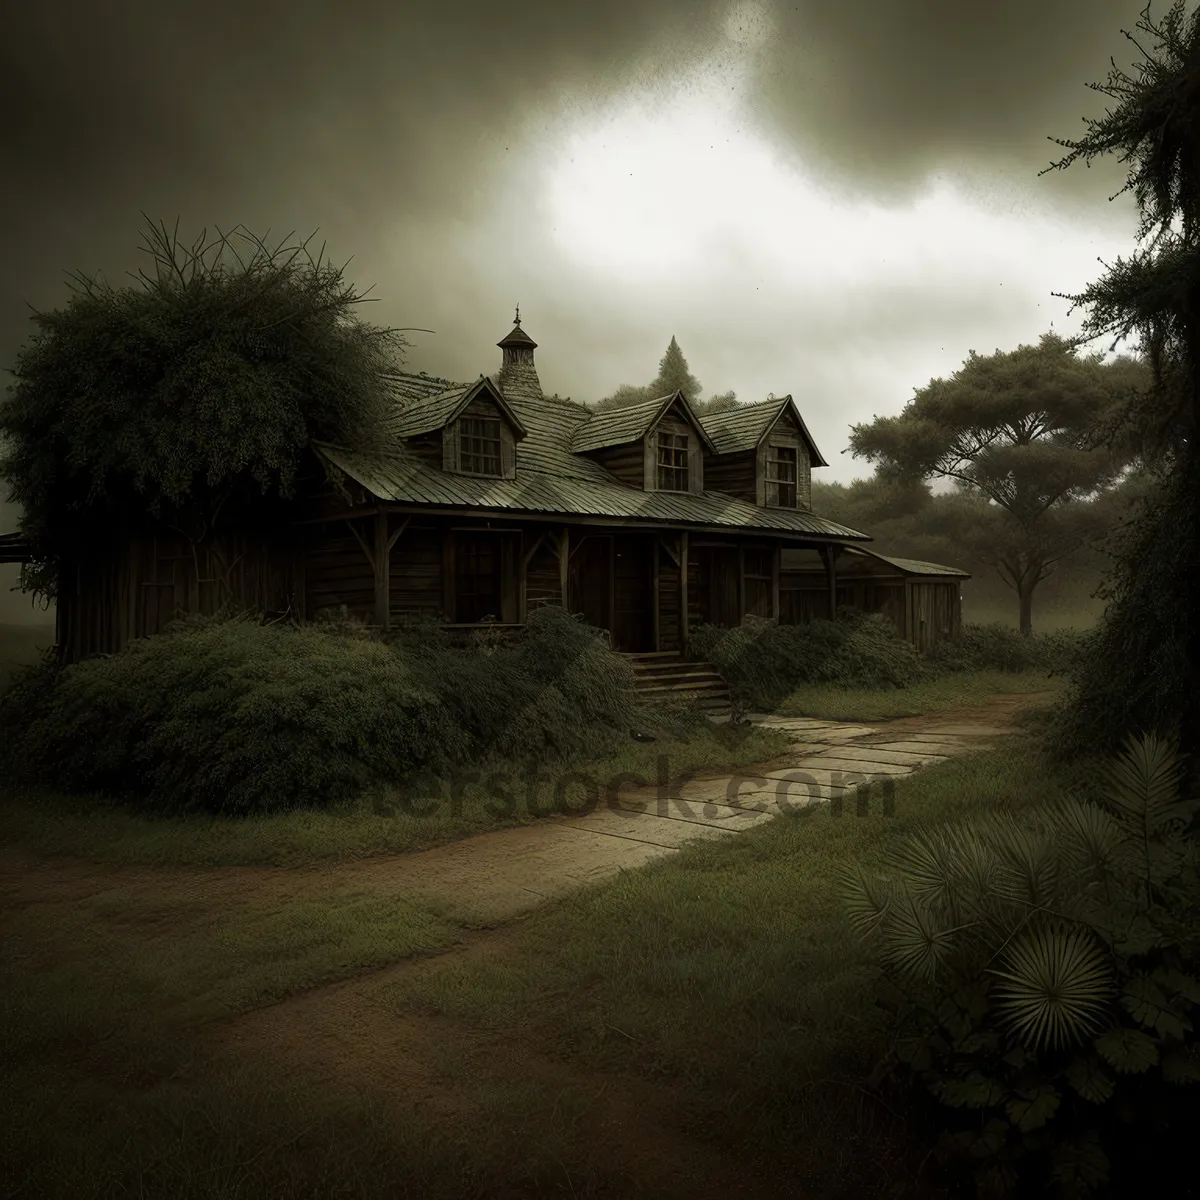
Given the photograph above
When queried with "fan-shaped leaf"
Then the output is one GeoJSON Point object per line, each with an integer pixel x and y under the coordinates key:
{"type": "Point", "coordinates": [1129, 1051]}
{"type": "Point", "coordinates": [1087, 1077]}
{"type": "Point", "coordinates": [1080, 1165]}
{"type": "Point", "coordinates": [975, 1091]}
{"type": "Point", "coordinates": [1056, 986]}
{"type": "Point", "coordinates": [915, 941]}
{"type": "Point", "coordinates": [1031, 1110]}
{"type": "Point", "coordinates": [866, 899]}
{"type": "Point", "coordinates": [1146, 1002]}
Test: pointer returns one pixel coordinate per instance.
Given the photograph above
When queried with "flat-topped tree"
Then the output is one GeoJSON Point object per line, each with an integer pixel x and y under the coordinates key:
{"type": "Point", "coordinates": [1013, 427]}
{"type": "Point", "coordinates": [189, 395]}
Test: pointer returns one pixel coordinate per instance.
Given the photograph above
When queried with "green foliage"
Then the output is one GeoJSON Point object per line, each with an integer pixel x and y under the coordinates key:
{"type": "Point", "coordinates": [227, 715]}
{"type": "Point", "coordinates": [764, 661]}
{"type": "Point", "coordinates": [1147, 667]}
{"type": "Point", "coordinates": [230, 715]}
{"type": "Point", "coordinates": [1041, 968]}
{"type": "Point", "coordinates": [188, 395]}
{"type": "Point", "coordinates": [1002, 648]}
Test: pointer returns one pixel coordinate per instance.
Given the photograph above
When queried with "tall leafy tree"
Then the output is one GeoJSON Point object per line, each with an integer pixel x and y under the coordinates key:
{"type": "Point", "coordinates": [1011, 427]}
{"type": "Point", "coordinates": [1146, 669]}
{"type": "Point", "coordinates": [189, 395]}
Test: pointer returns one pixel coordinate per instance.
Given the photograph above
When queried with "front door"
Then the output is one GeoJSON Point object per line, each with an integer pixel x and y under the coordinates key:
{"type": "Point", "coordinates": [719, 570]}
{"type": "Point", "coordinates": [633, 577]}
{"type": "Point", "coordinates": [588, 583]}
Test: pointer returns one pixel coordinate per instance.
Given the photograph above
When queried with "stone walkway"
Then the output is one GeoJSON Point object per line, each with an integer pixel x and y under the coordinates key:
{"type": "Point", "coordinates": [500, 875]}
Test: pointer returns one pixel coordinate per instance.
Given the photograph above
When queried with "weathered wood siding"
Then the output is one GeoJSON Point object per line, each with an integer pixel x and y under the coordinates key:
{"type": "Point", "coordinates": [543, 580]}
{"type": "Point", "coordinates": [626, 462]}
{"type": "Point", "coordinates": [415, 574]}
{"type": "Point", "coordinates": [935, 612]}
{"type": "Point", "coordinates": [134, 588]}
{"type": "Point", "coordinates": [337, 571]}
{"type": "Point", "coordinates": [732, 475]}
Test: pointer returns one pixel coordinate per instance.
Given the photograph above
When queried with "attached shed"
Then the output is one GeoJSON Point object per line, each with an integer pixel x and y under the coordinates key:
{"type": "Point", "coordinates": [922, 599]}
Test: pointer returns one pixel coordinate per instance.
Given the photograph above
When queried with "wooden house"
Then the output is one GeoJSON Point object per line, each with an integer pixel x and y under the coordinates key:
{"type": "Point", "coordinates": [488, 499]}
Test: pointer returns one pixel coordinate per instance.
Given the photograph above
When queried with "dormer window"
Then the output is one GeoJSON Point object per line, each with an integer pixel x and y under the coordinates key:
{"type": "Point", "coordinates": [479, 442]}
{"type": "Point", "coordinates": [672, 462]}
{"type": "Point", "coordinates": [781, 476]}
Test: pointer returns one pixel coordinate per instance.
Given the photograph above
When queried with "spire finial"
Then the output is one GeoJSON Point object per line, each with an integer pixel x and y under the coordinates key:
{"type": "Point", "coordinates": [518, 316]}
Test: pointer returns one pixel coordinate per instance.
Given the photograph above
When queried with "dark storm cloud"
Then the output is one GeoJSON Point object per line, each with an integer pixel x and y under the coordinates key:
{"type": "Point", "coordinates": [387, 124]}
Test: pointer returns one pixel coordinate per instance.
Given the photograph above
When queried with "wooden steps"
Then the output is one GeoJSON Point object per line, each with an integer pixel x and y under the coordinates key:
{"type": "Point", "coordinates": [667, 675]}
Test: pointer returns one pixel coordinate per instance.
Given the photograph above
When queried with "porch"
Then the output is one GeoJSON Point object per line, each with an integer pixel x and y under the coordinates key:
{"type": "Point", "coordinates": [646, 587]}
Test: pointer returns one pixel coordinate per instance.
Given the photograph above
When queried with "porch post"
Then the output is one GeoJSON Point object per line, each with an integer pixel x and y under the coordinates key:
{"type": "Point", "coordinates": [741, 584]}
{"type": "Point", "coordinates": [381, 560]}
{"type": "Point", "coordinates": [563, 562]}
{"type": "Point", "coordinates": [655, 556]}
{"type": "Point", "coordinates": [829, 554]}
{"type": "Point", "coordinates": [522, 579]}
{"type": "Point", "coordinates": [775, 557]}
{"type": "Point", "coordinates": [683, 590]}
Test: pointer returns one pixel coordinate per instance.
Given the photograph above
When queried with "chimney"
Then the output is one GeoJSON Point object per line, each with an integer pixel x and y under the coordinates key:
{"type": "Point", "coordinates": [518, 376]}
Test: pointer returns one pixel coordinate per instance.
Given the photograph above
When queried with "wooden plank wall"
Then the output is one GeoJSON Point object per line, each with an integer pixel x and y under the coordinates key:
{"type": "Point", "coordinates": [134, 588]}
{"type": "Point", "coordinates": [935, 612]}
{"type": "Point", "coordinates": [626, 462]}
{"type": "Point", "coordinates": [415, 574]}
{"type": "Point", "coordinates": [668, 601]}
{"type": "Point", "coordinates": [543, 581]}
{"type": "Point", "coordinates": [337, 572]}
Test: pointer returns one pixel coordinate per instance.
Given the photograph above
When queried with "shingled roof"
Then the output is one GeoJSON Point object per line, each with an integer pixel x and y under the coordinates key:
{"type": "Point", "coordinates": [551, 478]}
{"type": "Point", "coordinates": [423, 414]}
{"type": "Point", "coordinates": [631, 424]}
{"type": "Point", "coordinates": [744, 427]}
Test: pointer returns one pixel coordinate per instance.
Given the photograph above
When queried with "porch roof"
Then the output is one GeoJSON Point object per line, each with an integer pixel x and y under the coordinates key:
{"type": "Point", "coordinates": [402, 477]}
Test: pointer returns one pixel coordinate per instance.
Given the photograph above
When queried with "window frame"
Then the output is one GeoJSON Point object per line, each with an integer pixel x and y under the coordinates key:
{"type": "Point", "coordinates": [777, 456]}
{"type": "Point", "coordinates": [677, 467]}
{"type": "Point", "coordinates": [472, 445]}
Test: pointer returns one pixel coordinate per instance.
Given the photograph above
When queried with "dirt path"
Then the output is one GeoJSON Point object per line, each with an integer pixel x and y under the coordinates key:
{"type": "Point", "coordinates": [635, 1132]}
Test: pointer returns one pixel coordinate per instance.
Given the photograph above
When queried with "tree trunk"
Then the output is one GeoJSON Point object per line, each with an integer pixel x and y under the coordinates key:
{"type": "Point", "coordinates": [1025, 600]}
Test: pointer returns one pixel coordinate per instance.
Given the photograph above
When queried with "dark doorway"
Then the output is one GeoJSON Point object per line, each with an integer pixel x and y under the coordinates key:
{"type": "Point", "coordinates": [633, 571]}
{"type": "Point", "coordinates": [591, 568]}
{"type": "Point", "coordinates": [718, 572]}
{"type": "Point", "coordinates": [484, 574]}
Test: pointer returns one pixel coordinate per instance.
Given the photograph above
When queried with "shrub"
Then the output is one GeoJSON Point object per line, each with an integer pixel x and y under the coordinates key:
{"type": "Point", "coordinates": [227, 715]}
{"type": "Point", "coordinates": [223, 714]}
{"type": "Point", "coordinates": [764, 662]}
{"type": "Point", "coordinates": [1000, 647]}
{"type": "Point", "coordinates": [1042, 974]}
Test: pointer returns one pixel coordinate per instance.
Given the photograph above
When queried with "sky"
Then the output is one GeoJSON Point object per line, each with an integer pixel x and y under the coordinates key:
{"type": "Point", "coordinates": [837, 201]}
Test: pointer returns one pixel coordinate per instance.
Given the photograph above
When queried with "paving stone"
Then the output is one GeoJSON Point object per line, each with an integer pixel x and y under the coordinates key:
{"type": "Point", "coordinates": [646, 827]}
{"type": "Point", "coordinates": [974, 731]}
{"type": "Point", "coordinates": [832, 762]}
{"type": "Point", "coordinates": [933, 751]}
{"type": "Point", "coordinates": [871, 753]}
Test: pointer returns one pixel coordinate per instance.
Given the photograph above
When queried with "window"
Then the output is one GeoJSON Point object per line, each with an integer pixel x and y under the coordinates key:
{"type": "Point", "coordinates": [672, 462]}
{"type": "Point", "coordinates": [781, 476]}
{"type": "Point", "coordinates": [479, 445]}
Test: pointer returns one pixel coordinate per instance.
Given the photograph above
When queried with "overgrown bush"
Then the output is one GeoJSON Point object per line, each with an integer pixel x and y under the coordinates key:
{"type": "Point", "coordinates": [764, 661]}
{"type": "Point", "coordinates": [222, 714]}
{"type": "Point", "coordinates": [1043, 971]}
{"type": "Point", "coordinates": [227, 715]}
{"type": "Point", "coordinates": [1000, 647]}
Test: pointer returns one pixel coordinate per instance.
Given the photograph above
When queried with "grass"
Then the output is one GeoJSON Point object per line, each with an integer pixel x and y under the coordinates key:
{"type": "Point", "coordinates": [729, 967]}
{"type": "Point", "coordinates": [725, 971]}
{"type": "Point", "coordinates": [386, 822]}
{"type": "Point", "coordinates": [830, 703]}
